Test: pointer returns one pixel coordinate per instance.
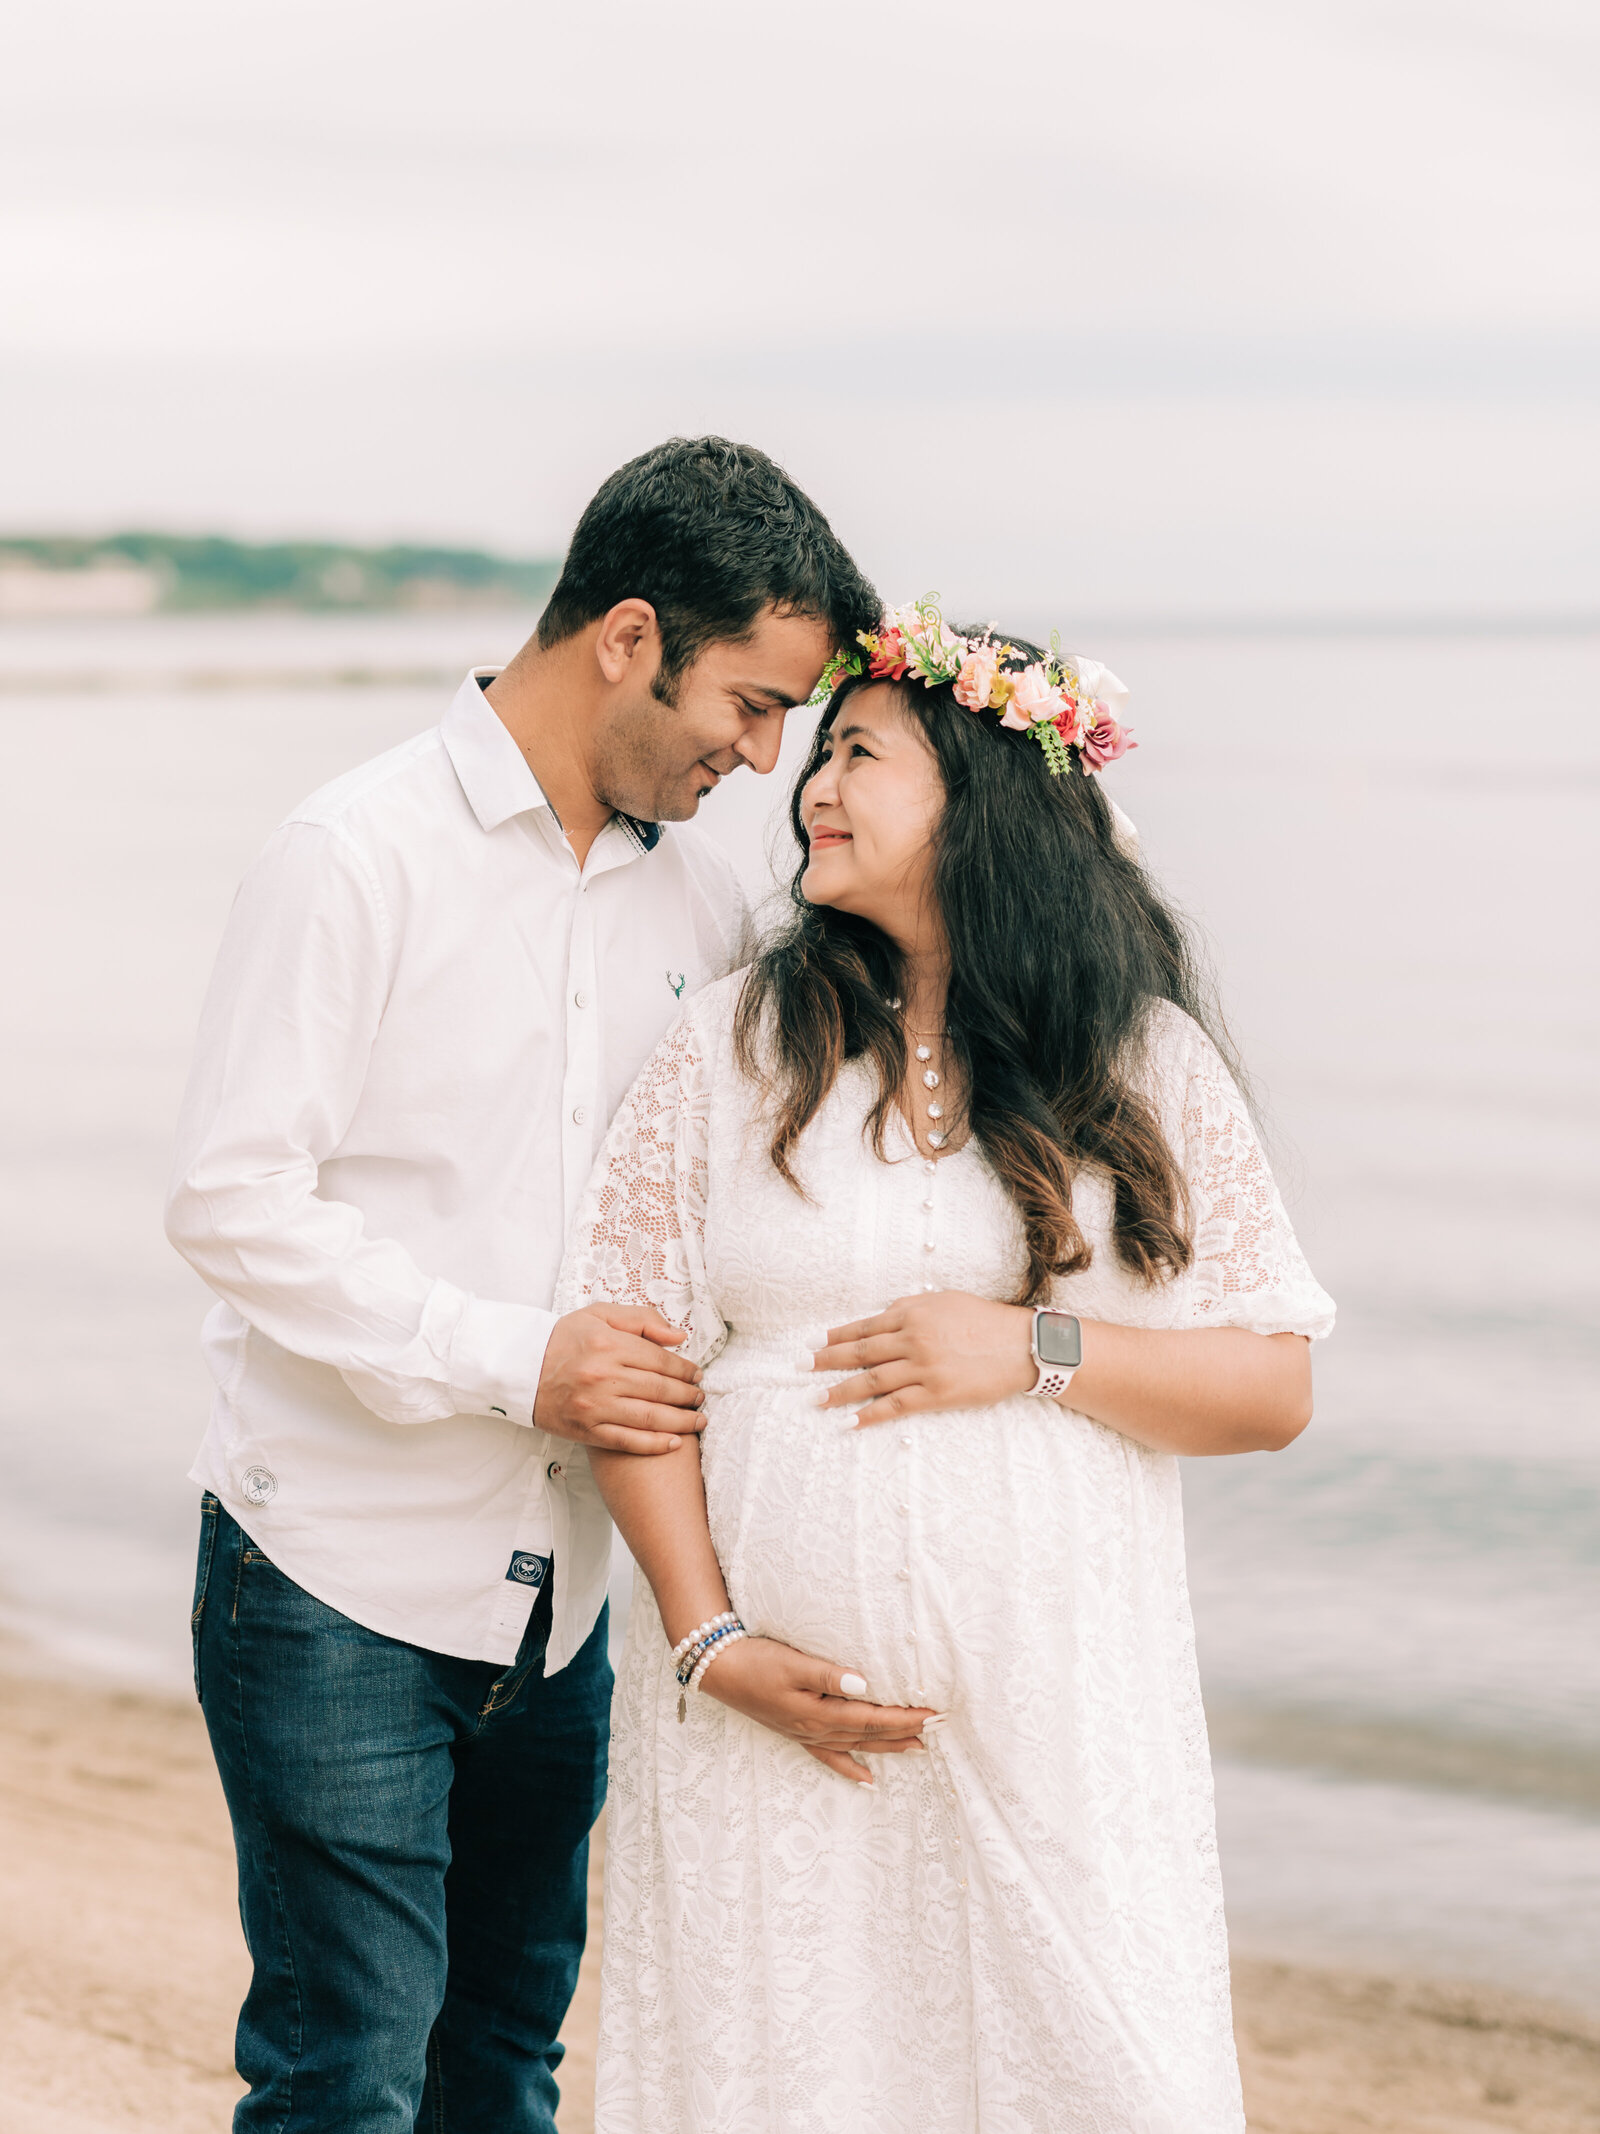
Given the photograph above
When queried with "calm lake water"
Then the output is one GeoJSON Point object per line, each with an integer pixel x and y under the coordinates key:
{"type": "Point", "coordinates": [1391, 845]}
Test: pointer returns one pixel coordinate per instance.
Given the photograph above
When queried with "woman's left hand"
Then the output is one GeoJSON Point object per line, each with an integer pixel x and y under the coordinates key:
{"type": "Point", "coordinates": [942, 1349]}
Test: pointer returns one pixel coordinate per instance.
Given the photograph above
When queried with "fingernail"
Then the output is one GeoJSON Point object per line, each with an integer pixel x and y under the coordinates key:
{"type": "Point", "coordinates": [866, 1785]}
{"type": "Point", "coordinates": [921, 1747]}
{"type": "Point", "coordinates": [938, 1719]}
{"type": "Point", "coordinates": [808, 1363]}
{"type": "Point", "coordinates": [852, 1686]}
{"type": "Point", "coordinates": [673, 1443]}
{"type": "Point", "coordinates": [819, 1400]}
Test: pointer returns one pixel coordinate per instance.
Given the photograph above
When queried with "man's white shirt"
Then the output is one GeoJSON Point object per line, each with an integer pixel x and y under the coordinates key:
{"type": "Point", "coordinates": [422, 1018]}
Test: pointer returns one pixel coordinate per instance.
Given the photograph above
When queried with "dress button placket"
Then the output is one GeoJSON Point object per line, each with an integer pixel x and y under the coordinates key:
{"type": "Point", "coordinates": [907, 1442]}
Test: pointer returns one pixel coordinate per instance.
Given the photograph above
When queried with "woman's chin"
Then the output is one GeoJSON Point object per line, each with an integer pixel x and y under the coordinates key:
{"type": "Point", "coordinates": [821, 882]}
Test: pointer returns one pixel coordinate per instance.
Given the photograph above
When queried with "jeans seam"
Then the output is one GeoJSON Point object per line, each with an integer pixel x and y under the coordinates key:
{"type": "Point", "coordinates": [208, 1542]}
{"type": "Point", "coordinates": [435, 2054]}
{"type": "Point", "coordinates": [271, 1858]}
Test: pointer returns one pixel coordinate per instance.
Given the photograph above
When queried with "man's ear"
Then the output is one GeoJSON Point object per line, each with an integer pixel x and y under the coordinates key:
{"type": "Point", "coordinates": [628, 640]}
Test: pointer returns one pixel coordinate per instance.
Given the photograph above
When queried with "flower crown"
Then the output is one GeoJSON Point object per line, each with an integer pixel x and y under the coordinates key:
{"type": "Point", "coordinates": [1064, 702]}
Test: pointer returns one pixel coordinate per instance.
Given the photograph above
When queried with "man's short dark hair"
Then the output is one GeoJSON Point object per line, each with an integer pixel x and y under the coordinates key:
{"type": "Point", "coordinates": [710, 533]}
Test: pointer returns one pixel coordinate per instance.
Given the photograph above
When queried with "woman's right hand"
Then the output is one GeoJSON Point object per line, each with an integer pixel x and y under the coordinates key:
{"type": "Point", "coordinates": [804, 1700]}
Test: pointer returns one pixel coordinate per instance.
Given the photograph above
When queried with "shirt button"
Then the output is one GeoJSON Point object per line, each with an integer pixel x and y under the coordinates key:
{"type": "Point", "coordinates": [554, 1470]}
{"type": "Point", "coordinates": [928, 1245]}
{"type": "Point", "coordinates": [929, 1288]}
{"type": "Point", "coordinates": [580, 1114]}
{"type": "Point", "coordinates": [580, 1000]}
{"type": "Point", "coordinates": [902, 1574]}
{"type": "Point", "coordinates": [906, 1442]}
{"type": "Point", "coordinates": [930, 1168]}
{"type": "Point", "coordinates": [928, 1203]}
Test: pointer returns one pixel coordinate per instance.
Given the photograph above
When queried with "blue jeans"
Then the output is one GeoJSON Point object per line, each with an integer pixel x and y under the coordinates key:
{"type": "Point", "coordinates": [413, 1842]}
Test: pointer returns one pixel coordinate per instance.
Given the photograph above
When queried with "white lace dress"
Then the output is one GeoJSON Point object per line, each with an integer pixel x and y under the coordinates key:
{"type": "Point", "coordinates": [1022, 1929]}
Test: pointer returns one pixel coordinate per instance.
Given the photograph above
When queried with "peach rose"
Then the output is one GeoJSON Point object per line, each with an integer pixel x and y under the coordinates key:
{"type": "Point", "coordinates": [1034, 696]}
{"type": "Point", "coordinates": [976, 679]}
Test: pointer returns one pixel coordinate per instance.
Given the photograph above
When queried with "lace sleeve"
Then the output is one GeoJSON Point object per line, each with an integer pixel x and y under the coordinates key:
{"type": "Point", "coordinates": [639, 1233]}
{"type": "Point", "coordinates": [1249, 1270]}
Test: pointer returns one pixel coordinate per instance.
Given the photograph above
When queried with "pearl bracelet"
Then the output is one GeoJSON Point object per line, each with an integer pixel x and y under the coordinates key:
{"type": "Point", "coordinates": [695, 1636]}
{"type": "Point", "coordinates": [727, 1638]}
{"type": "Point", "coordinates": [696, 1653]}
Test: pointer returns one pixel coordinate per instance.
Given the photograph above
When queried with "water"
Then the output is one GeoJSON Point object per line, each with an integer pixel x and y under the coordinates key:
{"type": "Point", "coordinates": [1392, 845]}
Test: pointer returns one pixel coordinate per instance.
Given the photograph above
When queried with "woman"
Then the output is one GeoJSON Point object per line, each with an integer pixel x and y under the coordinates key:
{"type": "Point", "coordinates": [970, 1078]}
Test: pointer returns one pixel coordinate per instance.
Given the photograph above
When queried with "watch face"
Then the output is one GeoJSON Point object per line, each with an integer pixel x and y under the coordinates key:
{"type": "Point", "coordinates": [1060, 1340]}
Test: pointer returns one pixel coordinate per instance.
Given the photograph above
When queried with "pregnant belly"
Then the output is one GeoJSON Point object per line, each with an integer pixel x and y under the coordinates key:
{"type": "Point", "coordinates": [851, 1545]}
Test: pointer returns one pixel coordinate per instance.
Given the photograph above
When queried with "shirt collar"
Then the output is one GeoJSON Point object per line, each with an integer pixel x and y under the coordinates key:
{"type": "Point", "coordinates": [494, 772]}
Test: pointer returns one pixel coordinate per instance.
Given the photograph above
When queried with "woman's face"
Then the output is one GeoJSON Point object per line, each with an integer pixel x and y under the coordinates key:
{"type": "Point", "coordinates": [869, 812]}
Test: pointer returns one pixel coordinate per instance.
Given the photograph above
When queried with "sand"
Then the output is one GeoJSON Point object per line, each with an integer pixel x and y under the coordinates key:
{"type": "Point", "coordinates": [121, 1967]}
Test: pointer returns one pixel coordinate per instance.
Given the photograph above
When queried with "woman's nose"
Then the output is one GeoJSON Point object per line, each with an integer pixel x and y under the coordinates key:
{"type": "Point", "coordinates": [821, 789]}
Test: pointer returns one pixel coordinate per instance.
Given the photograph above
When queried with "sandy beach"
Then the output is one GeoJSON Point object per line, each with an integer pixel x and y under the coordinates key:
{"type": "Point", "coordinates": [121, 1967]}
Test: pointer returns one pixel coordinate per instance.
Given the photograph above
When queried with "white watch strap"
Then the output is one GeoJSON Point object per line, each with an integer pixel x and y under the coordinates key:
{"type": "Point", "coordinates": [1053, 1379]}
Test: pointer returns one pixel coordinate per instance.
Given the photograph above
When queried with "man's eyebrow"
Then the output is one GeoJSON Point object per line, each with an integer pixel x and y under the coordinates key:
{"type": "Point", "coordinates": [774, 697]}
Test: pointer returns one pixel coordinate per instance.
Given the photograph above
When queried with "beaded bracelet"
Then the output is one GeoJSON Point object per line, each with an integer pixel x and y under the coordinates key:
{"type": "Point", "coordinates": [728, 1638]}
{"type": "Point", "coordinates": [694, 1636]}
{"type": "Point", "coordinates": [691, 1659]}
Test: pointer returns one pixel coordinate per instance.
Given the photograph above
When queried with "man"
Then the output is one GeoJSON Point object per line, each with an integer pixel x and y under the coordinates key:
{"type": "Point", "coordinates": [436, 985]}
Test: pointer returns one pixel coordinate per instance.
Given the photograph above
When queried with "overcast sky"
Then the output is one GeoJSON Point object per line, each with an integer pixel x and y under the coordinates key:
{"type": "Point", "coordinates": [1151, 305]}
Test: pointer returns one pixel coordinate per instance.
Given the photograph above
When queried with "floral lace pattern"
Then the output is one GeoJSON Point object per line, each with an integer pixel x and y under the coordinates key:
{"type": "Point", "coordinates": [1020, 1931]}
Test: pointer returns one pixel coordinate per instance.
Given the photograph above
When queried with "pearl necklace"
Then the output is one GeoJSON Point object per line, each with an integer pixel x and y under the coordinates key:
{"type": "Point", "coordinates": [931, 1080]}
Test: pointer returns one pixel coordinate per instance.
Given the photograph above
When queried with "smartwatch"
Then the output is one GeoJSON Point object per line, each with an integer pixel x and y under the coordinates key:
{"type": "Point", "coordinates": [1057, 1343]}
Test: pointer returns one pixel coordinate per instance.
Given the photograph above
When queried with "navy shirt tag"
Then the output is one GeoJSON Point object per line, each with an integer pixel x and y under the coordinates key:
{"type": "Point", "coordinates": [527, 1569]}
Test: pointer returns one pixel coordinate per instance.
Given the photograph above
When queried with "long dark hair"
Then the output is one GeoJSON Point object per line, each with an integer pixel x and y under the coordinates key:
{"type": "Point", "coordinates": [1060, 945]}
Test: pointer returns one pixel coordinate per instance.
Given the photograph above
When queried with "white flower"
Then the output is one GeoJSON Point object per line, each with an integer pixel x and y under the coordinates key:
{"type": "Point", "coordinates": [1097, 682]}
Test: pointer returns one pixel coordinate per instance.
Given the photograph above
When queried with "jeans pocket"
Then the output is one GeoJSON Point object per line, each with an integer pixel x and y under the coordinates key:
{"type": "Point", "coordinates": [209, 1509]}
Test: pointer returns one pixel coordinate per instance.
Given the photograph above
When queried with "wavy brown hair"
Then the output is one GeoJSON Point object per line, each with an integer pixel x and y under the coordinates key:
{"type": "Point", "coordinates": [1060, 945]}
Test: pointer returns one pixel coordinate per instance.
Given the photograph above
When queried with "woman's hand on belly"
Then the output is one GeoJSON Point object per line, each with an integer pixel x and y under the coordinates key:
{"type": "Point", "coordinates": [1195, 1390]}
{"type": "Point", "coordinates": [940, 1350]}
{"type": "Point", "coordinates": [805, 1700]}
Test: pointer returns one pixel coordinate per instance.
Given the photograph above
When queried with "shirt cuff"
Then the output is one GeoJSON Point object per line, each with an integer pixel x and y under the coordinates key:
{"type": "Point", "coordinates": [496, 1358]}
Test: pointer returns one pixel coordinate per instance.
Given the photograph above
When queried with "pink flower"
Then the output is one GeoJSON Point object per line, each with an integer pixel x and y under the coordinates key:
{"type": "Point", "coordinates": [888, 657]}
{"type": "Point", "coordinates": [1034, 696]}
{"type": "Point", "coordinates": [976, 679]}
{"type": "Point", "coordinates": [1105, 740]}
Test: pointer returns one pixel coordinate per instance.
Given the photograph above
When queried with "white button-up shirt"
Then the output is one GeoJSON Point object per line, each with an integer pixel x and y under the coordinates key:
{"type": "Point", "coordinates": [422, 1018]}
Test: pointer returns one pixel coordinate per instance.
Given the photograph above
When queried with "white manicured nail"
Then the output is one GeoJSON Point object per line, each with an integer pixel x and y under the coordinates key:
{"type": "Point", "coordinates": [852, 1686]}
{"type": "Point", "coordinates": [938, 1719]}
{"type": "Point", "coordinates": [820, 1400]}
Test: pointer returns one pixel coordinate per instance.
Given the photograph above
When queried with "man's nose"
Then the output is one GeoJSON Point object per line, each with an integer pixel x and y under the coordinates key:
{"type": "Point", "coordinates": [761, 742]}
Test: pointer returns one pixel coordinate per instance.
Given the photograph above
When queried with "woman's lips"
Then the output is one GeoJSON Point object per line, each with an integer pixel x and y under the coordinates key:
{"type": "Point", "coordinates": [820, 838]}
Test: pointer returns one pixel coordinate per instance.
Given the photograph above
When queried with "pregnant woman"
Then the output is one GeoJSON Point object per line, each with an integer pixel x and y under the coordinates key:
{"type": "Point", "coordinates": [962, 1214]}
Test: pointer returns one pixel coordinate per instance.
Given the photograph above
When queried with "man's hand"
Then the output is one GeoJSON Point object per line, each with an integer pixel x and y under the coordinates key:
{"type": "Point", "coordinates": [609, 1379]}
{"type": "Point", "coordinates": [947, 1350]}
{"type": "Point", "coordinates": [804, 1700]}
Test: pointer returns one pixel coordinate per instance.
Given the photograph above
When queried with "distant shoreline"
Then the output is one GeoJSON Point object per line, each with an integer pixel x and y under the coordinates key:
{"type": "Point", "coordinates": [121, 576]}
